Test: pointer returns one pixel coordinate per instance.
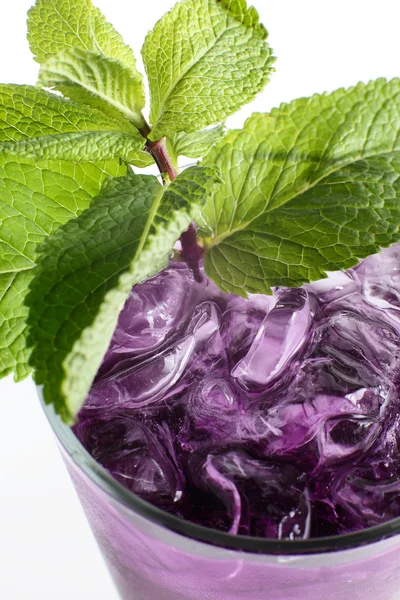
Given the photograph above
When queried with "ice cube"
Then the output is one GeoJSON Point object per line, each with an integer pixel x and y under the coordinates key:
{"type": "Point", "coordinates": [367, 499]}
{"type": "Point", "coordinates": [225, 489]}
{"type": "Point", "coordinates": [336, 287]}
{"type": "Point", "coordinates": [212, 408]}
{"type": "Point", "coordinates": [257, 496]}
{"type": "Point", "coordinates": [282, 334]}
{"type": "Point", "coordinates": [364, 350]}
{"type": "Point", "coordinates": [380, 278]}
{"type": "Point", "coordinates": [155, 310]}
{"type": "Point", "coordinates": [239, 328]}
{"type": "Point", "coordinates": [135, 455]}
{"type": "Point", "coordinates": [204, 322]}
{"type": "Point", "coordinates": [288, 426]}
{"type": "Point", "coordinates": [209, 350]}
{"type": "Point", "coordinates": [146, 383]}
{"type": "Point", "coordinates": [342, 437]}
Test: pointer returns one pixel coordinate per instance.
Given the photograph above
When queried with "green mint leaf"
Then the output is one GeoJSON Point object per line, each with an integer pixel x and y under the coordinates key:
{"type": "Point", "coordinates": [40, 125]}
{"type": "Point", "coordinates": [27, 112]}
{"type": "Point", "coordinates": [346, 217]}
{"type": "Point", "coordinates": [85, 146]}
{"type": "Point", "coordinates": [244, 14]}
{"type": "Point", "coordinates": [141, 159]}
{"type": "Point", "coordinates": [204, 60]}
{"type": "Point", "coordinates": [97, 80]}
{"type": "Point", "coordinates": [86, 271]}
{"type": "Point", "coordinates": [197, 144]}
{"type": "Point", "coordinates": [34, 201]}
{"type": "Point", "coordinates": [281, 217]}
{"type": "Point", "coordinates": [13, 350]}
{"type": "Point", "coordinates": [55, 25]}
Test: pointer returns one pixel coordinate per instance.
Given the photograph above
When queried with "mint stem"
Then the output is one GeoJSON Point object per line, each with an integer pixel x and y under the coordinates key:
{"type": "Point", "coordinates": [159, 152]}
{"type": "Point", "coordinates": [191, 250]}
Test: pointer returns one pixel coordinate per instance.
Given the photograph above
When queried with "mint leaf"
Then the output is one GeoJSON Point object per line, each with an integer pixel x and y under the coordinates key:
{"type": "Point", "coordinates": [204, 60]}
{"type": "Point", "coordinates": [13, 350]}
{"type": "Point", "coordinates": [55, 25]}
{"type": "Point", "coordinates": [281, 217]}
{"type": "Point", "coordinates": [86, 271]}
{"type": "Point", "coordinates": [94, 79]}
{"type": "Point", "coordinates": [27, 112]}
{"type": "Point", "coordinates": [244, 14]}
{"type": "Point", "coordinates": [34, 201]}
{"type": "Point", "coordinates": [80, 147]}
{"type": "Point", "coordinates": [141, 159]}
{"type": "Point", "coordinates": [40, 125]}
{"type": "Point", "coordinates": [346, 217]}
{"type": "Point", "coordinates": [195, 145]}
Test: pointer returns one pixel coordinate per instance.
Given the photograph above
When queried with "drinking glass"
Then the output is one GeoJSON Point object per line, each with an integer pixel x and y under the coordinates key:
{"type": "Point", "coordinates": [153, 555]}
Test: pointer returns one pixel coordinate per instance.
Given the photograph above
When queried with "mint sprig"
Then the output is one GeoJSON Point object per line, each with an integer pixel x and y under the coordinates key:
{"type": "Point", "coordinates": [311, 187]}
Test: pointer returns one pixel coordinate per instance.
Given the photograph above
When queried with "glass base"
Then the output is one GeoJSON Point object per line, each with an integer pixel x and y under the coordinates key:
{"type": "Point", "coordinates": [155, 556]}
{"type": "Point", "coordinates": [149, 562]}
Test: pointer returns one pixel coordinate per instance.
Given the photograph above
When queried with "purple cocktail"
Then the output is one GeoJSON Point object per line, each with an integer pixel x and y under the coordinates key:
{"type": "Point", "coordinates": [259, 436]}
{"type": "Point", "coordinates": [223, 447]}
{"type": "Point", "coordinates": [275, 417]}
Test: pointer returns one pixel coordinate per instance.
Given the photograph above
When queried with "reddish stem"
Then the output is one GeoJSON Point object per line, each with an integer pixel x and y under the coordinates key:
{"type": "Point", "coordinates": [191, 251]}
{"type": "Point", "coordinates": [159, 152]}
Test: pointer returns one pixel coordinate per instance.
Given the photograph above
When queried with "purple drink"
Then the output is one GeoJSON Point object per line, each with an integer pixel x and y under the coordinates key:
{"type": "Point", "coordinates": [274, 417]}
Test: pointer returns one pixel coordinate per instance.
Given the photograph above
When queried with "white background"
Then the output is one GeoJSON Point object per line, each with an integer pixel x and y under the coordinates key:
{"type": "Point", "coordinates": [46, 549]}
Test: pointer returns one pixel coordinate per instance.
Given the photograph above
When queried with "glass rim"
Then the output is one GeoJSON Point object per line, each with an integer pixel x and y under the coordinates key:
{"type": "Point", "coordinates": [261, 546]}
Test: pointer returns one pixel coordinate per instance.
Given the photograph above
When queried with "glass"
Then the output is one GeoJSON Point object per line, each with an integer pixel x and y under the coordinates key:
{"type": "Point", "coordinates": [153, 555]}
